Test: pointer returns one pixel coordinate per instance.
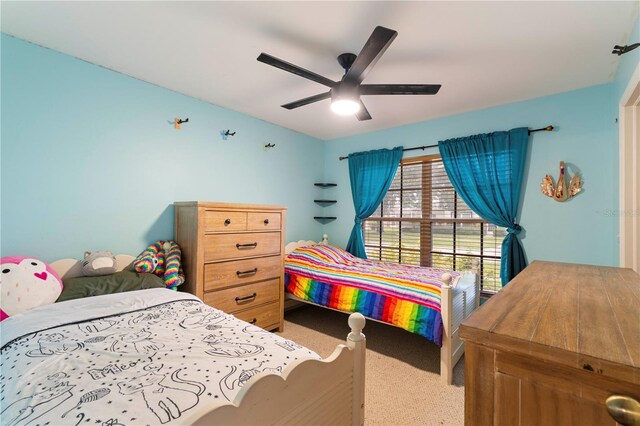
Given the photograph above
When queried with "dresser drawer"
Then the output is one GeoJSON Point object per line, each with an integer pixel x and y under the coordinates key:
{"type": "Point", "coordinates": [246, 296]}
{"type": "Point", "coordinates": [263, 221]}
{"type": "Point", "coordinates": [235, 246]}
{"type": "Point", "coordinates": [265, 316]}
{"type": "Point", "coordinates": [220, 221]}
{"type": "Point", "coordinates": [227, 274]}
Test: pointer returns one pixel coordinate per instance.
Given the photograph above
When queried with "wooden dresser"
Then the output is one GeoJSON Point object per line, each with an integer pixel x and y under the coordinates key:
{"type": "Point", "coordinates": [552, 346]}
{"type": "Point", "coordinates": [233, 258]}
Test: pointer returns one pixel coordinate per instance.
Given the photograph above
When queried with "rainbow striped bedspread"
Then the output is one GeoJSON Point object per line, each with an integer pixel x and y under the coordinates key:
{"type": "Point", "coordinates": [403, 295]}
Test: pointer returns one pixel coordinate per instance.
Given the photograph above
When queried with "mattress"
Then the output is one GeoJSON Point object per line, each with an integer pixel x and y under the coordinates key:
{"type": "Point", "coordinates": [144, 357]}
{"type": "Point", "coordinates": [402, 295]}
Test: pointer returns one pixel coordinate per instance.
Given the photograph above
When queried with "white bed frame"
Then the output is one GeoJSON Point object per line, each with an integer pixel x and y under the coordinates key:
{"type": "Point", "coordinates": [327, 391]}
{"type": "Point", "coordinates": [458, 302]}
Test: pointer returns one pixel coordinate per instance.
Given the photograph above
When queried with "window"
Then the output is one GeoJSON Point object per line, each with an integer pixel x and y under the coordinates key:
{"type": "Point", "coordinates": [423, 221]}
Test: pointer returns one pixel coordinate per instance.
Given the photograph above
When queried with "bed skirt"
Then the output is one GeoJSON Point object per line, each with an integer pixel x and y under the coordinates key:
{"type": "Point", "coordinates": [405, 314]}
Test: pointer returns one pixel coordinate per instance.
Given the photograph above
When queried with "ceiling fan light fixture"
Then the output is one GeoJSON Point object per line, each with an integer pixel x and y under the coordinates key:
{"type": "Point", "coordinates": [345, 106]}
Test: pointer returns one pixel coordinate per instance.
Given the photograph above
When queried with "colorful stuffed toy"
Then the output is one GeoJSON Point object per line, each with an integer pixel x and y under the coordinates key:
{"type": "Point", "coordinates": [26, 283]}
{"type": "Point", "coordinates": [151, 259]}
{"type": "Point", "coordinates": [162, 258]}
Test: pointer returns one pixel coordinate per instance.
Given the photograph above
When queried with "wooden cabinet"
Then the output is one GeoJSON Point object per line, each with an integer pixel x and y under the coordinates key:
{"type": "Point", "coordinates": [233, 258]}
{"type": "Point", "coordinates": [552, 346]}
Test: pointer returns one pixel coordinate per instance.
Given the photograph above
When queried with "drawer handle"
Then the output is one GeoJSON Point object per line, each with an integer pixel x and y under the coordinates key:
{"type": "Point", "coordinates": [253, 321]}
{"type": "Point", "coordinates": [242, 299]}
{"type": "Point", "coordinates": [252, 245]}
{"type": "Point", "coordinates": [240, 274]}
{"type": "Point", "coordinates": [624, 409]}
{"type": "Point", "coordinates": [266, 221]}
{"type": "Point", "coordinates": [227, 222]}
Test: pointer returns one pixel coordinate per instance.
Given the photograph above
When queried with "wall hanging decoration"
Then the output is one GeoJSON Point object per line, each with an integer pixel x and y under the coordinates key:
{"type": "Point", "coordinates": [178, 121]}
{"type": "Point", "coordinates": [621, 50]}
{"type": "Point", "coordinates": [226, 133]}
{"type": "Point", "coordinates": [561, 192]}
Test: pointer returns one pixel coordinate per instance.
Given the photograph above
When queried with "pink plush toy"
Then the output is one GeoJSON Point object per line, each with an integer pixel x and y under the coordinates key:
{"type": "Point", "coordinates": [26, 283]}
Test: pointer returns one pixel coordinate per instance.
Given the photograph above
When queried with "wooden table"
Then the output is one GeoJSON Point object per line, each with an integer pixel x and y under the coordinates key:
{"type": "Point", "coordinates": [552, 346]}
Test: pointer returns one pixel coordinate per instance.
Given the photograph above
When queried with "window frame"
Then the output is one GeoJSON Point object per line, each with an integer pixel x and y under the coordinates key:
{"type": "Point", "coordinates": [426, 237]}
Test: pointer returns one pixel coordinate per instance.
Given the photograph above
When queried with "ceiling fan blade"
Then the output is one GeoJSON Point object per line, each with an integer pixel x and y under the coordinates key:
{"type": "Point", "coordinates": [373, 49]}
{"type": "Point", "coordinates": [294, 69]}
{"type": "Point", "coordinates": [399, 89]}
{"type": "Point", "coordinates": [363, 113]}
{"type": "Point", "coordinates": [307, 101]}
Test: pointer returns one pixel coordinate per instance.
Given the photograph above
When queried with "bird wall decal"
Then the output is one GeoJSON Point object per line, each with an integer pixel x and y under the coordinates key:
{"type": "Point", "coordinates": [561, 192]}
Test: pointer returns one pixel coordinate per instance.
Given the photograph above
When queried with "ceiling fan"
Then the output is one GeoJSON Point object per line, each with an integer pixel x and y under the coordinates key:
{"type": "Point", "coordinates": [345, 94]}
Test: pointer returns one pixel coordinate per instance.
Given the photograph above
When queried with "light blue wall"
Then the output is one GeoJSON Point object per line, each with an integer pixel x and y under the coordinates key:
{"type": "Point", "coordinates": [582, 230]}
{"type": "Point", "coordinates": [90, 160]}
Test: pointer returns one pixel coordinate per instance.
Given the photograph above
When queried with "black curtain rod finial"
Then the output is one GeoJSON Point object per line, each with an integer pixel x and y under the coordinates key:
{"type": "Point", "coordinates": [542, 129]}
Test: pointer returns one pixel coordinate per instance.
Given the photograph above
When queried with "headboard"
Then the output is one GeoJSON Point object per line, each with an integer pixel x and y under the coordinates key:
{"type": "Point", "coordinates": [71, 268]}
{"type": "Point", "coordinates": [303, 243]}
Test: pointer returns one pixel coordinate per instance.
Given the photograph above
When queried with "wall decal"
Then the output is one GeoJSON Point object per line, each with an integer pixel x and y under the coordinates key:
{"type": "Point", "coordinates": [177, 122]}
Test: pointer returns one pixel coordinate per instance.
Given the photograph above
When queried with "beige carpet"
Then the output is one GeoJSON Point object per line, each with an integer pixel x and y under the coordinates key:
{"type": "Point", "coordinates": [402, 379]}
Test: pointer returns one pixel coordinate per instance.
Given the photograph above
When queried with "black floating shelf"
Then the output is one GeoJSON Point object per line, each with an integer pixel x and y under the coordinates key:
{"type": "Point", "coordinates": [325, 217]}
{"type": "Point", "coordinates": [325, 185]}
{"type": "Point", "coordinates": [325, 201]}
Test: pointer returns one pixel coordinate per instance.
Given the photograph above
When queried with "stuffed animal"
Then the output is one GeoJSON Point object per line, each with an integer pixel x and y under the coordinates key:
{"type": "Point", "coordinates": [173, 275]}
{"type": "Point", "coordinates": [26, 283]}
{"type": "Point", "coordinates": [162, 258]}
{"type": "Point", "coordinates": [151, 259]}
{"type": "Point", "coordinates": [98, 263]}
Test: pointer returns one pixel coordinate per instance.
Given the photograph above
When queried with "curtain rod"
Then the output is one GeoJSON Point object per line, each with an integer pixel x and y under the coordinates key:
{"type": "Point", "coordinates": [542, 129]}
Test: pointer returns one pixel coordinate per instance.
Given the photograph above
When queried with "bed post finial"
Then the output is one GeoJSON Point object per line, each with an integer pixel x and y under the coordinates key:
{"type": "Point", "coordinates": [325, 239]}
{"type": "Point", "coordinates": [356, 322]}
{"type": "Point", "coordinates": [446, 278]}
{"type": "Point", "coordinates": [475, 264]}
{"type": "Point", "coordinates": [358, 344]}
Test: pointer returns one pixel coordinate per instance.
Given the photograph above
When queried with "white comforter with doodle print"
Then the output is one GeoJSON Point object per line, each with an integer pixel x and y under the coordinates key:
{"type": "Point", "coordinates": [140, 358]}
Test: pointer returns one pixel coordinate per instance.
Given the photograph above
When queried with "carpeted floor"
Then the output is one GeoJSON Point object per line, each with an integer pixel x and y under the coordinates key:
{"type": "Point", "coordinates": [403, 370]}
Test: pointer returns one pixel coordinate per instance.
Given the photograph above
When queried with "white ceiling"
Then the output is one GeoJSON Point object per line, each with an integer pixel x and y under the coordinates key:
{"type": "Point", "coordinates": [483, 53]}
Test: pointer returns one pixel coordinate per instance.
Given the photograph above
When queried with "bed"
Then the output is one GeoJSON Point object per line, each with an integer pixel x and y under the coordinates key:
{"type": "Point", "coordinates": [426, 301]}
{"type": "Point", "coordinates": [157, 356]}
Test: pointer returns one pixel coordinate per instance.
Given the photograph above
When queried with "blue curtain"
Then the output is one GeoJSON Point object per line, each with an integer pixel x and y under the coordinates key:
{"type": "Point", "coordinates": [486, 171]}
{"type": "Point", "coordinates": [371, 174]}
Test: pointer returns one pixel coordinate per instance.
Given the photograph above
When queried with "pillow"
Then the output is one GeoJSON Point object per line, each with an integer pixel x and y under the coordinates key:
{"type": "Point", "coordinates": [98, 263]}
{"type": "Point", "coordinates": [119, 282]}
{"type": "Point", "coordinates": [26, 283]}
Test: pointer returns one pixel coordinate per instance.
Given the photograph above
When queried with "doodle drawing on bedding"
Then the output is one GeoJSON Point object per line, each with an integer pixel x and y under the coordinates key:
{"type": "Point", "coordinates": [208, 321]}
{"type": "Point", "coordinates": [228, 384]}
{"type": "Point", "coordinates": [90, 396]}
{"type": "Point", "coordinates": [52, 344]}
{"type": "Point", "coordinates": [51, 394]}
{"type": "Point", "coordinates": [220, 346]}
{"type": "Point", "coordinates": [96, 326]}
{"type": "Point", "coordinates": [139, 342]}
{"type": "Point", "coordinates": [153, 316]}
{"type": "Point", "coordinates": [252, 329]}
{"type": "Point", "coordinates": [289, 345]}
{"type": "Point", "coordinates": [167, 397]}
